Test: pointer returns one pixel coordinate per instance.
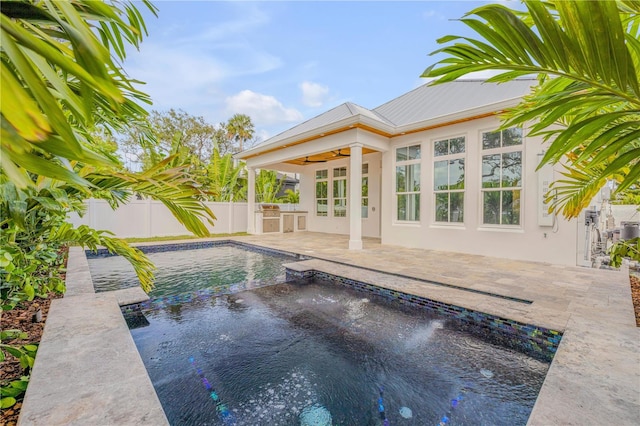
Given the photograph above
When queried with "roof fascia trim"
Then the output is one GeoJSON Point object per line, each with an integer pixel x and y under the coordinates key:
{"type": "Point", "coordinates": [341, 125]}
{"type": "Point", "coordinates": [384, 129]}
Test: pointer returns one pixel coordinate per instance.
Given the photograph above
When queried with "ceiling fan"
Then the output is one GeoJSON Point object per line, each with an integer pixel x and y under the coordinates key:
{"type": "Point", "coordinates": [340, 154]}
{"type": "Point", "coordinates": [307, 161]}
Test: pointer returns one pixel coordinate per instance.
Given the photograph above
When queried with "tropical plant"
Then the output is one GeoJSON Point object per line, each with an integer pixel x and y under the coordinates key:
{"type": "Point", "coordinates": [628, 197]}
{"type": "Point", "coordinates": [291, 196]}
{"type": "Point", "coordinates": [60, 78]}
{"type": "Point", "coordinates": [60, 75]}
{"type": "Point", "coordinates": [225, 179]}
{"type": "Point", "coordinates": [25, 354]}
{"type": "Point", "coordinates": [586, 55]}
{"type": "Point", "coordinates": [268, 186]}
{"type": "Point", "coordinates": [240, 129]}
{"type": "Point", "coordinates": [625, 249]}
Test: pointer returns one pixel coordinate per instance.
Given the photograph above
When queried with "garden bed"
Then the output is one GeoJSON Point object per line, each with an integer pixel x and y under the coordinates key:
{"type": "Point", "coordinates": [20, 318]}
{"type": "Point", "coordinates": [635, 295]}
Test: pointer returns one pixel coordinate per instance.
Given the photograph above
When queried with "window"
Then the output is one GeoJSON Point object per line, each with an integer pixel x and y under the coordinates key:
{"type": "Point", "coordinates": [340, 192]}
{"type": "Point", "coordinates": [321, 192]}
{"type": "Point", "coordinates": [502, 177]}
{"type": "Point", "coordinates": [448, 179]}
{"type": "Point", "coordinates": [365, 191]}
{"type": "Point", "coordinates": [408, 183]}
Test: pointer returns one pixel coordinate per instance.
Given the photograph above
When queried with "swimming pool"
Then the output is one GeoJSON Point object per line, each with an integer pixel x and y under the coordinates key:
{"type": "Point", "coordinates": [191, 267]}
{"type": "Point", "coordinates": [287, 352]}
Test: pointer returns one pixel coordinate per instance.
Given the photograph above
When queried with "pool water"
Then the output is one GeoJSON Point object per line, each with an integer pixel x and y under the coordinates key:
{"type": "Point", "coordinates": [270, 354]}
{"type": "Point", "coordinates": [310, 353]}
{"type": "Point", "coordinates": [186, 271]}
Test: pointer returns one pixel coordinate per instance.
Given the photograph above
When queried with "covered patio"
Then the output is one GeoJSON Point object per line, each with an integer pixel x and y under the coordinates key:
{"type": "Point", "coordinates": [344, 146]}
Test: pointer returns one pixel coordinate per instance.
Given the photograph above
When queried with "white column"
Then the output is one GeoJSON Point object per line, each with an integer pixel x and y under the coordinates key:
{"type": "Point", "coordinates": [355, 197]}
{"type": "Point", "coordinates": [251, 200]}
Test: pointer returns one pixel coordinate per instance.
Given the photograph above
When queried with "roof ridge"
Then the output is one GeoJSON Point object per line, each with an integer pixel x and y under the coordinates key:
{"type": "Point", "coordinates": [377, 114]}
{"type": "Point", "coordinates": [348, 105]}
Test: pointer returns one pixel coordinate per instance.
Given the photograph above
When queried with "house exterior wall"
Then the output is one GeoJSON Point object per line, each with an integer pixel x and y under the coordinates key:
{"type": "Point", "coordinates": [340, 225]}
{"type": "Point", "coordinates": [558, 241]}
{"type": "Point", "coordinates": [526, 241]}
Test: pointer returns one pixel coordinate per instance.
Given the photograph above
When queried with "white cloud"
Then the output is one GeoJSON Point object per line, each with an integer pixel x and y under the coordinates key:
{"type": "Point", "coordinates": [175, 77]}
{"type": "Point", "coordinates": [429, 15]}
{"type": "Point", "coordinates": [313, 94]}
{"type": "Point", "coordinates": [262, 135]}
{"type": "Point", "coordinates": [263, 109]}
{"type": "Point", "coordinates": [251, 18]}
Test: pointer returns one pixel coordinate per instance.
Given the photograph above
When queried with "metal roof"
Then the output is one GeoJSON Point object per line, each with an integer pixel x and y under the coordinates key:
{"type": "Point", "coordinates": [421, 104]}
{"type": "Point", "coordinates": [428, 102]}
{"type": "Point", "coordinates": [341, 112]}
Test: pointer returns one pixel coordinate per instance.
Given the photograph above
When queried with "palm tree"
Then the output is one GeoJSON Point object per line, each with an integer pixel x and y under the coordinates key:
{"type": "Point", "coordinates": [586, 55]}
{"type": "Point", "coordinates": [240, 129]}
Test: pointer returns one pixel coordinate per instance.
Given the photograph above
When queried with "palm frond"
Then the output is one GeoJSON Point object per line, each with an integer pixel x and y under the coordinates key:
{"type": "Point", "coordinates": [591, 105]}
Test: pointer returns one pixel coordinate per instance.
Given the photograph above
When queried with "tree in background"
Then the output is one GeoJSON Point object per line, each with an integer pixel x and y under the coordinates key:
{"type": "Point", "coordinates": [586, 55]}
{"type": "Point", "coordinates": [196, 135]}
{"type": "Point", "coordinates": [239, 129]}
{"type": "Point", "coordinates": [225, 179]}
{"type": "Point", "coordinates": [268, 186]}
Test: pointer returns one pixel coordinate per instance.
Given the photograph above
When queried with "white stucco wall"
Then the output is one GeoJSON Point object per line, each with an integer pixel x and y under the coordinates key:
{"type": "Point", "coordinates": [340, 225]}
{"type": "Point", "coordinates": [529, 241]}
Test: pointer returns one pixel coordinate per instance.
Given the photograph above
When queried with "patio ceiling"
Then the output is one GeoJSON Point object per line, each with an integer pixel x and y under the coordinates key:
{"type": "Point", "coordinates": [323, 157]}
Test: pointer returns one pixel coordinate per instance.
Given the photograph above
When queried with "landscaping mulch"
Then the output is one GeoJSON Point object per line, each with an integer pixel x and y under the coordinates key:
{"type": "Point", "coordinates": [20, 318]}
{"type": "Point", "coordinates": [635, 296]}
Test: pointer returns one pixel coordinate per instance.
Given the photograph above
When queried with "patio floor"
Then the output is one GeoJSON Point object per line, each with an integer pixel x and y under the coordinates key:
{"type": "Point", "coordinates": [594, 378]}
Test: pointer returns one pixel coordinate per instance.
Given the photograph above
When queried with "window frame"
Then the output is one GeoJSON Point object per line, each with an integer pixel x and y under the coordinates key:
{"type": "Point", "coordinates": [326, 199]}
{"type": "Point", "coordinates": [364, 212]}
{"type": "Point", "coordinates": [501, 150]}
{"type": "Point", "coordinates": [449, 157]}
{"type": "Point", "coordinates": [334, 180]}
{"type": "Point", "coordinates": [407, 162]}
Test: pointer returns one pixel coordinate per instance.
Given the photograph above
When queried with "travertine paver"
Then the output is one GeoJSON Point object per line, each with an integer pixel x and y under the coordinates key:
{"type": "Point", "coordinates": [88, 370]}
{"type": "Point", "coordinates": [594, 378]}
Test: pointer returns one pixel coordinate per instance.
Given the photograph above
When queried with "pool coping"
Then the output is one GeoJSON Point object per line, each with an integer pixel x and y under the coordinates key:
{"type": "Point", "coordinates": [88, 370]}
{"type": "Point", "coordinates": [587, 348]}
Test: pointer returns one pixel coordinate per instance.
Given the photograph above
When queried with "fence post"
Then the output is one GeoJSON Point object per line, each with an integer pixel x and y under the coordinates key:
{"type": "Point", "coordinates": [92, 213]}
{"type": "Point", "coordinates": [147, 218]}
{"type": "Point", "coordinates": [231, 211]}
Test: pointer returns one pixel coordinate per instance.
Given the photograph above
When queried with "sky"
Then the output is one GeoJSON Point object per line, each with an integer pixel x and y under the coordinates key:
{"type": "Point", "coordinates": [284, 62]}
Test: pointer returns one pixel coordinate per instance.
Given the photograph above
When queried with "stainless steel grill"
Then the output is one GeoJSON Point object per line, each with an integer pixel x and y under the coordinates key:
{"type": "Point", "coordinates": [269, 210]}
{"type": "Point", "coordinates": [270, 218]}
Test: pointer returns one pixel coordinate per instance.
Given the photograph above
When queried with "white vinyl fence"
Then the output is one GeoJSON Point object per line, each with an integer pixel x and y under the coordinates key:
{"type": "Point", "coordinates": [149, 218]}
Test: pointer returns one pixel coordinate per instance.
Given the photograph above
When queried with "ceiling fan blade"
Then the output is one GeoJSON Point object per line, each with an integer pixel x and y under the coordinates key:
{"type": "Point", "coordinates": [340, 154]}
{"type": "Point", "coordinates": [307, 161]}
